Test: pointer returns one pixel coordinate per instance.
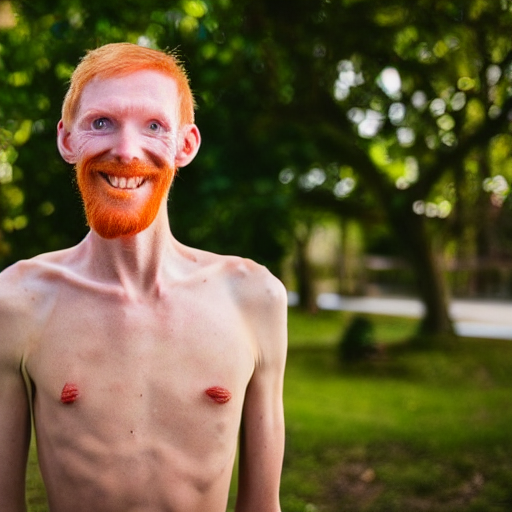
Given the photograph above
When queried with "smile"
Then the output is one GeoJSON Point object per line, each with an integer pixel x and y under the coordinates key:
{"type": "Point", "coordinates": [124, 183]}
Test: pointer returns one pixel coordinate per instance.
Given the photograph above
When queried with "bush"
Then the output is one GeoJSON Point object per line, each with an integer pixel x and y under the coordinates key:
{"type": "Point", "coordinates": [358, 341]}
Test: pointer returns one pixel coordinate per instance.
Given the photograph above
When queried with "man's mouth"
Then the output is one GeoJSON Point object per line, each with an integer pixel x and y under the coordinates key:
{"type": "Point", "coordinates": [124, 183]}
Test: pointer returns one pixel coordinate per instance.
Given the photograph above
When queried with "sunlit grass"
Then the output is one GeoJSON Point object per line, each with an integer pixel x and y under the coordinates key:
{"type": "Point", "coordinates": [36, 495]}
{"type": "Point", "coordinates": [408, 430]}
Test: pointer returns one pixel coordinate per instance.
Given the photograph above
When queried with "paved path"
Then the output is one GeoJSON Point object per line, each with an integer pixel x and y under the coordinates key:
{"type": "Point", "coordinates": [482, 319]}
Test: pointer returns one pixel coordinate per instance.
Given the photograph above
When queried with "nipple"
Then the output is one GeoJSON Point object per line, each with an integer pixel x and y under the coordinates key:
{"type": "Point", "coordinates": [69, 393]}
{"type": "Point", "coordinates": [219, 394]}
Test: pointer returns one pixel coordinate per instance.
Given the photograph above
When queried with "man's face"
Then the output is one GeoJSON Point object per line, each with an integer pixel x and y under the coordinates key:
{"type": "Point", "coordinates": [125, 136]}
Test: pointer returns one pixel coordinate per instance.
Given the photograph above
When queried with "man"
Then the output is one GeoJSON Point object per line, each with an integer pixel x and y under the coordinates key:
{"type": "Point", "coordinates": [139, 358]}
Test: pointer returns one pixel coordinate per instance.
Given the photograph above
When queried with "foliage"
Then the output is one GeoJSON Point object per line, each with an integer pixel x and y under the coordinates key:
{"type": "Point", "coordinates": [231, 185]}
{"type": "Point", "coordinates": [407, 122]}
{"type": "Point", "coordinates": [410, 126]}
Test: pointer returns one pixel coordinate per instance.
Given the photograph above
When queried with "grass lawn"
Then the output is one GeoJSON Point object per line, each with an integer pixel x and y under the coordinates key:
{"type": "Point", "coordinates": [408, 431]}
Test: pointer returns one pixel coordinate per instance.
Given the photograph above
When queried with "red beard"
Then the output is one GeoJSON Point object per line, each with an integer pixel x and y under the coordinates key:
{"type": "Point", "coordinates": [115, 212]}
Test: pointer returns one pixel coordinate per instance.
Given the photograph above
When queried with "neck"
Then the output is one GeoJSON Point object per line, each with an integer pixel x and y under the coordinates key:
{"type": "Point", "coordinates": [138, 262]}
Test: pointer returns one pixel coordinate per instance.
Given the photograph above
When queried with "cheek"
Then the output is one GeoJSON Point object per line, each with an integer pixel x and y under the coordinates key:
{"type": "Point", "coordinates": [88, 145]}
{"type": "Point", "coordinates": [164, 149]}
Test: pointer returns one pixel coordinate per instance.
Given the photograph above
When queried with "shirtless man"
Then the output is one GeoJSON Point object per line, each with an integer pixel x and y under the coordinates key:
{"type": "Point", "coordinates": [142, 361]}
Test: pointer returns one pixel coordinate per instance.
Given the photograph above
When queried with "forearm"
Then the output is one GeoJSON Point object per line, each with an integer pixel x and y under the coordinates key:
{"type": "Point", "coordinates": [13, 456]}
{"type": "Point", "coordinates": [259, 503]}
{"type": "Point", "coordinates": [12, 480]}
{"type": "Point", "coordinates": [15, 435]}
{"type": "Point", "coordinates": [249, 508]}
{"type": "Point", "coordinates": [260, 468]}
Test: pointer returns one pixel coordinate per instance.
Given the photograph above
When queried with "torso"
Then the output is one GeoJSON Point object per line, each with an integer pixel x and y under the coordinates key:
{"type": "Point", "coordinates": [142, 434]}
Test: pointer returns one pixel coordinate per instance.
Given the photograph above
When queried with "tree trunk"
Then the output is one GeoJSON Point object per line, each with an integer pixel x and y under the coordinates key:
{"type": "Point", "coordinates": [431, 285]}
{"type": "Point", "coordinates": [304, 273]}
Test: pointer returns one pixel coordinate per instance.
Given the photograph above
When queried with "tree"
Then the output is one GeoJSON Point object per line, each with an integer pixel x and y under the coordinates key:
{"type": "Point", "coordinates": [402, 95]}
{"type": "Point", "coordinates": [384, 107]}
{"type": "Point", "coordinates": [236, 207]}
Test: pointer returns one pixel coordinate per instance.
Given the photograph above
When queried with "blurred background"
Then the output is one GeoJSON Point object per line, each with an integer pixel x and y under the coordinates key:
{"type": "Point", "coordinates": [360, 149]}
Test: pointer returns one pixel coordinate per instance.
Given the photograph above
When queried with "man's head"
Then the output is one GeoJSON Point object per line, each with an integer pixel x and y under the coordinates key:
{"type": "Point", "coordinates": [127, 125]}
{"type": "Point", "coordinates": [122, 59]}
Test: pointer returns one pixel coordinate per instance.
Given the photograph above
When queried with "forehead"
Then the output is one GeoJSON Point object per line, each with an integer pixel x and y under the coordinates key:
{"type": "Point", "coordinates": [145, 89]}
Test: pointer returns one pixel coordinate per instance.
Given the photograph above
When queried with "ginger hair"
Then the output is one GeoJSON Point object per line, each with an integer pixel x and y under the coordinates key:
{"type": "Point", "coordinates": [121, 59]}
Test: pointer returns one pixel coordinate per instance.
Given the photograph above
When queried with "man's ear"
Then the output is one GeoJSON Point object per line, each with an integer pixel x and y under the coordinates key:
{"type": "Point", "coordinates": [189, 143]}
{"type": "Point", "coordinates": [64, 144]}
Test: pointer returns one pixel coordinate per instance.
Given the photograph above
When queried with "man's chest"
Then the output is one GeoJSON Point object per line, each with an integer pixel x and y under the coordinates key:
{"type": "Point", "coordinates": [141, 365]}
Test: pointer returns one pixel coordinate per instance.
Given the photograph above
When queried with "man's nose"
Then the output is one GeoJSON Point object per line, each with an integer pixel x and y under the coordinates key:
{"type": "Point", "coordinates": [127, 145]}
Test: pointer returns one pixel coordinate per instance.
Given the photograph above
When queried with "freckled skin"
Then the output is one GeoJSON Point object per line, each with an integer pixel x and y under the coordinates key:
{"type": "Point", "coordinates": [219, 394]}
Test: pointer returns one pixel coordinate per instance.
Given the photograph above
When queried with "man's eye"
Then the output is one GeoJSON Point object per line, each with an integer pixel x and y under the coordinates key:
{"type": "Point", "coordinates": [101, 124]}
{"type": "Point", "coordinates": [154, 126]}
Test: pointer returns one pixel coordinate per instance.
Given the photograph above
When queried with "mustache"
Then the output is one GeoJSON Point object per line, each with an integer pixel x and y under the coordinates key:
{"type": "Point", "coordinates": [135, 168]}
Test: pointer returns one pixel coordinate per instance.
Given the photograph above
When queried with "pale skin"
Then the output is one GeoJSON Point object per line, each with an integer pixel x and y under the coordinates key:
{"type": "Point", "coordinates": [141, 326]}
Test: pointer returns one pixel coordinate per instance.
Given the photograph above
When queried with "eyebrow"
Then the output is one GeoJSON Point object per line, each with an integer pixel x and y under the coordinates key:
{"type": "Point", "coordinates": [113, 109]}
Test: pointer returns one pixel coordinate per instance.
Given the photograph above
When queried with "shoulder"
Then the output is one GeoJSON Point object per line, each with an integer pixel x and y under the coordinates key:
{"type": "Point", "coordinates": [250, 283]}
{"type": "Point", "coordinates": [253, 284]}
{"type": "Point", "coordinates": [258, 297]}
{"type": "Point", "coordinates": [14, 283]}
{"type": "Point", "coordinates": [35, 273]}
{"type": "Point", "coordinates": [26, 277]}
{"type": "Point", "coordinates": [25, 292]}
{"type": "Point", "coordinates": [262, 301]}
{"type": "Point", "coordinates": [22, 284]}
{"type": "Point", "coordinates": [14, 312]}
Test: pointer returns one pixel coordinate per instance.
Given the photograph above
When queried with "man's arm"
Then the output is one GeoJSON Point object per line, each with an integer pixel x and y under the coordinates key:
{"type": "Point", "coordinates": [14, 406]}
{"type": "Point", "coordinates": [262, 432]}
